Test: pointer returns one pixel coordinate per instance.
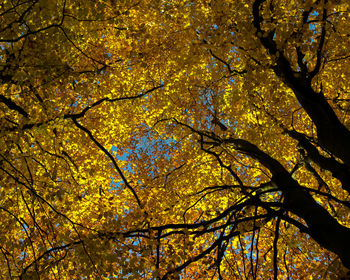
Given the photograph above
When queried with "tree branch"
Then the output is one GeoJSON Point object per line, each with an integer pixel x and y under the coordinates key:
{"type": "Point", "coordinates": [13, 106]}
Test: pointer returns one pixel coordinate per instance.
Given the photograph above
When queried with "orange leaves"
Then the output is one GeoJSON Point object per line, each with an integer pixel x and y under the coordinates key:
{"type": "Point", "coordinates": [119, 129]}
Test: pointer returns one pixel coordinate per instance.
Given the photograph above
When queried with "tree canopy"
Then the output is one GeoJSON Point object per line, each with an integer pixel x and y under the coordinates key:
{"type": "Point", "coordinates": [174, 139]}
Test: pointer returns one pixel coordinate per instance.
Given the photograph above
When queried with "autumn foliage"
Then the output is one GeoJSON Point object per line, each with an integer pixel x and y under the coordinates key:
{"type": "Point", "coordinates": [158, 139]}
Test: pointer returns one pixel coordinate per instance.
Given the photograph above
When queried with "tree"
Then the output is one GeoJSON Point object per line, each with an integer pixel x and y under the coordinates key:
{"type": "Point", "coordinates": [167, 139]}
